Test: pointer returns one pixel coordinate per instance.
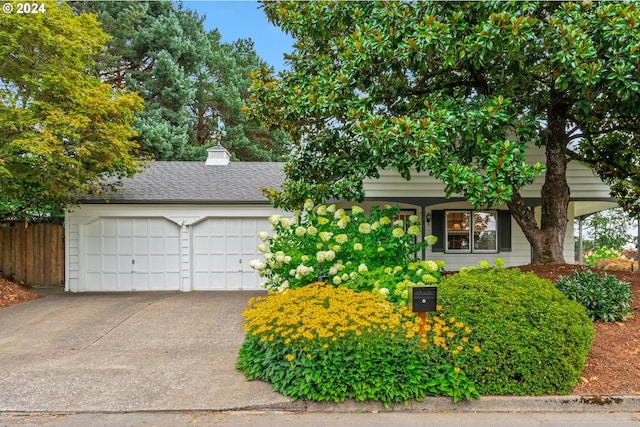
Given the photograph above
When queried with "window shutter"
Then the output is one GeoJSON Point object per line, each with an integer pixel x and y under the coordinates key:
{"type": "Point", "coordinates": [504, 230]}
{"type": "Point", "coordinates": [437, 229]}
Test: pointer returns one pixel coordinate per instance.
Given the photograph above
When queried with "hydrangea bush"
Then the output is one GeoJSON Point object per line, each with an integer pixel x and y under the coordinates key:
{"type": "Point", "coordinates": [334, 245]}
{"type": "Point", "coordinates": [393, 283]}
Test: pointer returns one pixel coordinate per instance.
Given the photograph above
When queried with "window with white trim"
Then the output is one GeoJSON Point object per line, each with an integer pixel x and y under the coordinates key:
{"type": "Point", "coordinates": [471, 231]}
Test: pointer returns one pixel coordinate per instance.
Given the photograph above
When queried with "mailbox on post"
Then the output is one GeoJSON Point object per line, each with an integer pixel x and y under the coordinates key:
{"type": "Point", "coordinates": [423, 299]}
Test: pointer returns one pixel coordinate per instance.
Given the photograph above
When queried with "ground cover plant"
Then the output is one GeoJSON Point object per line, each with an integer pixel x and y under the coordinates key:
{"type": "Point", "coordinates": [603, 296]}
{"type": "Point", "coordinates": [534, 340]}
{"type": "Point", "coordinates": [319, 342]}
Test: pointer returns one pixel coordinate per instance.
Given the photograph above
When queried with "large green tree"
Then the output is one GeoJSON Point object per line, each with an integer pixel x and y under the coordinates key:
{"type": "Point", "coordinates": [62, 131]}
{"type": "Point", "coordinates": [458, 89]}
{"type": "Point", "coordinates": [193, 85]}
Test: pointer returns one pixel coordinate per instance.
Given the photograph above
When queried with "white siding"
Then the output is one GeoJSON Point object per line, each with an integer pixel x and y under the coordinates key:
{"type": "Point", "coordinates": [584, 184]}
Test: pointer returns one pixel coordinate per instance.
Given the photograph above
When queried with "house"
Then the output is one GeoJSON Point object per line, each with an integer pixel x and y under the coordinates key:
{"type": "Point", "coordinates": [186, 226]}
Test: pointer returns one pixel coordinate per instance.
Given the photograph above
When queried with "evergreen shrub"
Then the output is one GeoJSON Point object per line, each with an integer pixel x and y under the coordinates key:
{"type": "Point", "coordinates": [533, 339]}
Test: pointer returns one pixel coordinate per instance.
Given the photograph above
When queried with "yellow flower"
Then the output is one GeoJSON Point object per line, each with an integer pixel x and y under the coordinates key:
{"type": "Point", "coordinates": [476, 349]}
{"type": "Point", "coordinates": [456, 369]}
{"type": "Point", "coordinates": [290, 357]}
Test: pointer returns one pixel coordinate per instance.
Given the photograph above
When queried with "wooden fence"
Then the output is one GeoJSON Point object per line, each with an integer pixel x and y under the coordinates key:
{"type": "Point", "coordinates": [32, 254]}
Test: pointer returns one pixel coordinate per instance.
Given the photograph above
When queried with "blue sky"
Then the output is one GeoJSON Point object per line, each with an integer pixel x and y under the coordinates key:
{"type": "Point", "coordinates": [242, 19]}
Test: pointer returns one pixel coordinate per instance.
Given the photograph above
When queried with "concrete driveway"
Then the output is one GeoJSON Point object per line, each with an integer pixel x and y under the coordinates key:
{"type": "Point", "coordinates": [126, 352]}
{"type": "Point", "coordinates": [167, 351]}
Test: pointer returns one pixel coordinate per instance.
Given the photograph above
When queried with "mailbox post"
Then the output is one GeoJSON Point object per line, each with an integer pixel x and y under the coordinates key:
{"type": "Point", "coordinates": [423, 299]}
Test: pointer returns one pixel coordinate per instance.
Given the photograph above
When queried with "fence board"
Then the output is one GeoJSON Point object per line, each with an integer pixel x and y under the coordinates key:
{"type": "Point", "coordinates": [32, 254]}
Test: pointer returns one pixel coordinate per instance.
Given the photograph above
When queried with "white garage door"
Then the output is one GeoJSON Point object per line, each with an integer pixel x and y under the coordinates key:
{"type": "Point", "coordinates": [132, 254]}
{"type": "Point", "coordinates": [222, 250]}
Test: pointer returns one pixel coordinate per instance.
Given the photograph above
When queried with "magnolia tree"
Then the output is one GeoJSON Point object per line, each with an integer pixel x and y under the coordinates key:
{"type": "Point", "coordinates": [461, 90]}
{"type": "Point", "coordinates": [325, 243]}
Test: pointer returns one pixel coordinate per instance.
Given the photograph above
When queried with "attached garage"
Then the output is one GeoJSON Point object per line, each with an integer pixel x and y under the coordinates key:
{"type": "Point", "coordinates": [175, 226]}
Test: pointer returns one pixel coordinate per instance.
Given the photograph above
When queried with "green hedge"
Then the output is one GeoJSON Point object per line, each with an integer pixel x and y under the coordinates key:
{"type": "Point", "coordinates": [533, 339]}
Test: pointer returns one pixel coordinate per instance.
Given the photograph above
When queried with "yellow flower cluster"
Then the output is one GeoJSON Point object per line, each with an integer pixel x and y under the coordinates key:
{"type": "Point", "coordinates": [322, 312]}
{"type": "Point", "coordinates": [447, 334]}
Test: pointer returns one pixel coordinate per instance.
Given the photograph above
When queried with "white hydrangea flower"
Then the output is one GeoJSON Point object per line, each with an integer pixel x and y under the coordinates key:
{"type": "Point", "coordinates": [330, 255]}
{"type": "Point", "coordinates": [355, 210]}
{"type": "Point", "coordinates": [413, 218]}
{"type": "Point", "coordinates": [430, 265]}
{"type": "Point", "coordinates": [331, 208]}
{"type": "Point", "coordinates": [285, 222]}
{"type": "Point", "coordinates": [341, 238]}
{"type": "Point", "coordinates": [312, 230]}
{"type": "Point", "coordinates": [308, 204]}
{"type": "Point", "coordinates": [357, 246]}
{"type": "Point", "coordinates": [300, 231]}
{"type": "Point", "coordinates": [320, 256]}
{"type": "Point", "coordinates": [322, 210]}
{"type": "Point", "coordinates": [362, 268]}
{"type": "Point", "coordinates": [263, 235]}
{"type": "Point", "coordinates": [384, 291]}
{"type": "Point", "coordinates": [431, 240]}
{"type": "Point", "coordinates": [325, 236]}
{"type": "Point", "coordinates": [337, 280]}
{"type": "Point", "coordinates": [364, 228]}
{"type": "Point", "coordinates": [263, 248]}
{"type": "Point", "coordinates": [339, 213]}
{"type": "Point", "coordinates": [257, 265]}
{"type": "Point", "coordinates": [414, 230]}
{"type": "Point", "coordinates": [275, 219]}
{"type": "Point", "coordinates": [397, 232]}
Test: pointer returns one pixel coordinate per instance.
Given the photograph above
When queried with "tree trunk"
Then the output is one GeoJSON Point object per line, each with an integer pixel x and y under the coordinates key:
{"type": "Point", "coordinates": [547, 240]}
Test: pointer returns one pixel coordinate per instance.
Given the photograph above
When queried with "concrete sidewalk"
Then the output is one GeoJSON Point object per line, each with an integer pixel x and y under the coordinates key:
{"type": "Point", "coordinates": [146, 352]}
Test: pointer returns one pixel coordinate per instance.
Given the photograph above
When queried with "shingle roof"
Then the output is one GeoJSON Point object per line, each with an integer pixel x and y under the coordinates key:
{"type": "Point", "coordinates": [195, 182]}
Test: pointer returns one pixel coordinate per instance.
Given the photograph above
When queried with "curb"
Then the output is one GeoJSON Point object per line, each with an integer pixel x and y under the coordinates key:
{"type": "Point", "coordinates": [488, 404]}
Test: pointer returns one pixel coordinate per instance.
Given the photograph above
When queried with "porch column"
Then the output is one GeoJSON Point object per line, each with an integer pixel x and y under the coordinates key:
{"type": "Point", "coordinates": [580, 218]}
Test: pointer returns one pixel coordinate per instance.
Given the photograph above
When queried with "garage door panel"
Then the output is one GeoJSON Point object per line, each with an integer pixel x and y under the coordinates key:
{"type": "Point", "coordinates": [109, 264]}
{"type": "Point", "coordinates": [233, 243]}
{"type": "Point", "coordinates": [217, 244]}
{"type": "Point", "coordinates": [218, 262]}
{"type": "Point", "coordinates": [125, 245]}
{"type": "Point", "coordinates": [124, 254]}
